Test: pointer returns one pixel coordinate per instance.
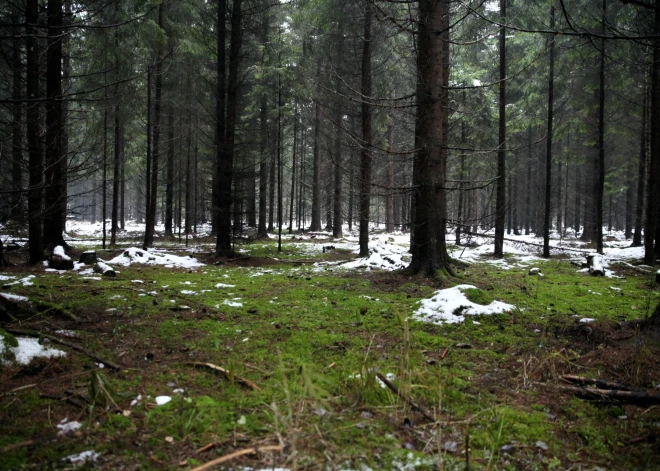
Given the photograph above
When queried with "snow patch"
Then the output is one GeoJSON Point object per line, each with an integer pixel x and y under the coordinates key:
{"type": "Point", "coordinates": [162, 400]}
{"type": "Point", "coordinates": [451, 306]}
{"type": "Point", "coordinates": [29, 348]}
{"type": "Point", "coordinates": [154, 257]}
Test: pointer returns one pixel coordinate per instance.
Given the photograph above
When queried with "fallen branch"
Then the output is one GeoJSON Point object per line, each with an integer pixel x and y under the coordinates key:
{"type": "Point", "coordinates": [34, 333]}
{"type": "Point", "coordinates": [246, 451]}
{"type": "Point", "coordinates": [412, 404]}
{"type": "Point", "coordinates": [599, 383]}
{"type": "Point", "coordinates": [630, 397]}
{"type": "Point", "coordinates": [524, 242]}
{"type": "Point", "coordinates": [243, 381]}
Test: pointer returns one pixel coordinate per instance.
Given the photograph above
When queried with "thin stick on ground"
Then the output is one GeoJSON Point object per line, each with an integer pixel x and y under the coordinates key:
{"type": "Point", "coordinates": [245, 451]}
{"type": "Point", "coordinates": [243, 381]}
{"type": "Point", "coordinates": [412, 404]}
{"type": "Point", "coordinates": [630, 397]}
{"type": "Point", "coordinates": [35, 333]}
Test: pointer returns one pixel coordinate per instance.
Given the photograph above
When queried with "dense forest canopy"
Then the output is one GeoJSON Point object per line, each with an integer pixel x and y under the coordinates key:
{"type": "Point", "coordinates": [268, 115]}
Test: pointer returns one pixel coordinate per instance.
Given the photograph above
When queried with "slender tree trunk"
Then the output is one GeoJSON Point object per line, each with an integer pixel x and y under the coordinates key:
{"type": "Point", "coordinates": [316, 178]}
{"type": "Point", "coordinates": [293, 168]}
{"type": "Point", "coordinates": [220, 124]}
{"type": "Point", "coordinates": [169, 188]}
{"type": "Point", "coordinates": [280, 148]}
{"type": "Point", "coordinates": [389, 201]}
{"type": "Point", "coordinates": [271, 187]}
{"type": "Point", "coordinates": [528, 192]}
{"type": "Point", "coordinates": [263, 162]}
{"type": "Point", "coordinates": [548, 154]}
{"type": "Point", "coordinates": [17, 128]}
{"type": "Point", "coordinates": [223, 244]}
{"type": "Point", "coordinates": [641, 174]}
{"type": "Point", "coordinates": [147, 190]}
{"type": "Point", "coordinates": [601, 139]}
{"type": "Point", "coordinates": [55, 160]}
{"type": "Point", "coordinates": [155, 145]}
{"type": "Point", "coordinates": [365, 154]}
{"type": "Point", "coordinates": [461, 178]}
{"type": "Point", "coordinates": [35, 240]}
{"type": "Point", "coordinates": [500, 202]}
{"type": "Point", "coordinates": [116, 174]}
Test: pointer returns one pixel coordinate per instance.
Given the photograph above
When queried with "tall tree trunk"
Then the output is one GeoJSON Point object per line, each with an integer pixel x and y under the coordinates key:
{"type": "Point", "coordinates": [155, 145]}
{"type": "Point", "coordinates": [365, 154]}
{"type": "Point", "coordinates": [55, 160]}
{"type": "Point", "coordinates": [220, 124]}
{"type": "Point", "coordinates": [548, 154]}
{"type": "Point", "coordinates": [653, 197]}
{"type": "Point", "coordinates": [641, 174]}
{"type": "Point", "coordinates": [280, 149]}
{"type": "Point", "coordinates": [35, 240]}
{"type": "Point", "coordinates": [389, 202]}
{"type": "Point", "coordinates": [461, 178]}
{"type": "Point", "coordinates": [263, 166]}
{"type": "Point", "coordinates": [223, 244]}
{"type": "Point", "coordinates": [116, 174]}
{"type": "Point", "coordinates": [601, 138]}
{"type": "Point", "coordinates": [169, 188]}
{"type": "Point", "coordinates": [293, 168]}
{"type": "Point", "coordinates": [500, 201]}
{"type": "Point", "coordinates": [17, 128]}
{"type": "Point", "coordinates": [147, 177]}
{"type": "Point", "coordinates": [271, 187]}
{"type": "Point", "coordinates": [316, 176]}
{"type": "Point", "coordinates": [528, 192]}
{"type": "Point", "coordinates": [429, 250]}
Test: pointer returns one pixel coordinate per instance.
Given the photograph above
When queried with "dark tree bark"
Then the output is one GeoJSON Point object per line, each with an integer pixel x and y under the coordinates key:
{"type": "Point", "coordinates": [429, 250]}
{"type": "Point", "coordinates": [223, 244]}
{"type": "Point", "coordinates": [263, 166]}
{"type": "Point", "coordinates": [220, 124]}
{"type": "Point", "coordinates": [641, 174]}
{"type": "Point", "coordinates": [548, 151]}
{"type": "Point", "coordinates": [500, 201]}
{"type": "Point", "coordinates": [365, 153]}
{"type": "Point", "coordinates": [389, 201]}
{"type": "Point", "coordinates": [528, 191]}
{"type": "Point", "coordinates": [280, 148]}
{"type": "Point", "coordinates": [271, 188]}
{"type": "Point", "coordinates": [35, 240]}
{"type": "Point", "coordinates": [169, 186]}
{"type": "Point", "coordinates": [55, 160]}
{"type": "Point", "coordinates": [17, 128]}
{"type": "Point", "coordinates": [294, 169]}
{"type": "Point", "coordinates": [155, 145]}
{"type": "Point", "coordinates": [600, 187]}
{"type": "Point", "coordinates": [316, 176]}
{"type": "Point", "coordinates": [147, 190]}
{"type": "Point", "coordinates": [653, 196]}
{"type": "Point", "coordinates": [461, 178]}
{"type": "Point", "coordinates": [116, 174]}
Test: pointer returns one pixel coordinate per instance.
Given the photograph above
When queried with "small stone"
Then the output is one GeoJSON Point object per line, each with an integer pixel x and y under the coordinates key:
{"type": "Point", "coordinates": [508, 449]}
{"type": "Point", "coordinates": [320, 411]}
{"type": "Point", "coordinates": [366, 415]}
{"type": "Point", "coordinates": [541, 445]}
{"type": "Point", "coordinates": [450, 447]}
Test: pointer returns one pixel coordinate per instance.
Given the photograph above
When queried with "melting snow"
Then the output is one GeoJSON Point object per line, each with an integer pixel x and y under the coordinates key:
{"type": "Point", "coordinates": [29, 348]}
{"type": "Point", "coordinates": [451, 306]}
{"type": "Point", "coordinates": [66, 427]}
{"type": "Point", "coordinates": [84, 457]}
{"type": "Point", "coordinates": [161, 400]}
{"type": "Point", "coordinates": [14, 298]}
{"type": "Point", "coordinates": [154, 257]}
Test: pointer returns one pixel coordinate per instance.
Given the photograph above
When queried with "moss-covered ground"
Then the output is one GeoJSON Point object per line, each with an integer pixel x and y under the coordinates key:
{"type": "Point", "coordinates": [311, 341]}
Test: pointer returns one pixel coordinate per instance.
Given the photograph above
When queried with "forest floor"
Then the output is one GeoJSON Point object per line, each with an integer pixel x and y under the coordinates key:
{"type": "Point", "coordinates": [302, 338]}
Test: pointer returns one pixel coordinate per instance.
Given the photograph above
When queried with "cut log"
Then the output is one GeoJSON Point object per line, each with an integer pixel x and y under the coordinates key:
{"type": "Point", "coordinates": [105, 270]}
{"type": "Point", "coordinates": [59, 260]}
{"type": "Point", "coordinates": [88, 258]}
{"type": "Point", "coordinates": [595, 264]}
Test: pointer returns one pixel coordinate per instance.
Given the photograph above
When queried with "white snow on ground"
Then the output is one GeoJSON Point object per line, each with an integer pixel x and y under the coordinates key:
{"type": "Point", "coordinates": [232, 303]}
{"type": "Point", "coordinates": [67, 427]}
{"type": "Point", "coordinates": [59, 250]}
{"type": "Point", "coordinates": [82, 458]}
{"type": "Point", "coordinates": [29, 348]}
{"type": "Point", "coordinates": [6, 277]}
{"type": "Point", "coordinates": [27, 281]}
{"type": "Point", "coordinates": [154, 257]}
{"type": "Point", "coordinates": [15, 298]}
{"type": "Point", "coordinates": [451, 306]}
{"type": "Point", "coordinates": [223, 285]}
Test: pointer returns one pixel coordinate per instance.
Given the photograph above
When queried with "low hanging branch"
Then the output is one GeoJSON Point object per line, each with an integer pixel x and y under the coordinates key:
{"type": "Point", "coordinates": [34, 333]}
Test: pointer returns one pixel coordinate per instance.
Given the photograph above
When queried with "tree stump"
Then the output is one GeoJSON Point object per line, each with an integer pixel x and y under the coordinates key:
{"type": "Point", "coordinates": [595, 264]}
{"type": "Point", "coordinates": [88, 258]}
{"type": "Point", "coordinates": [59, 260]}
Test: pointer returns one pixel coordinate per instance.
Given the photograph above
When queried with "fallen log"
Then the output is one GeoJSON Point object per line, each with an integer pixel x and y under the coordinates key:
{"type": "Point", "coordinates": [599, 383]}
{"type": "Point", "coordinates": [629, 397]}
